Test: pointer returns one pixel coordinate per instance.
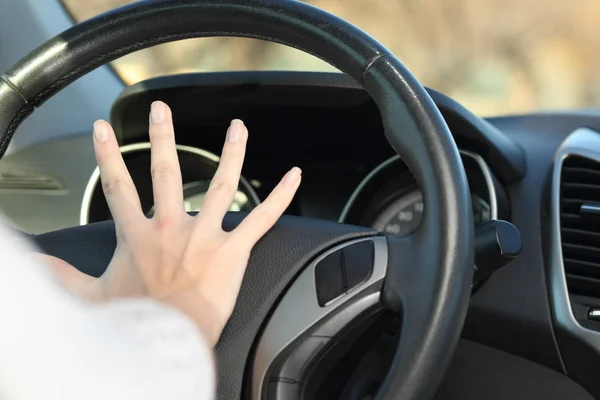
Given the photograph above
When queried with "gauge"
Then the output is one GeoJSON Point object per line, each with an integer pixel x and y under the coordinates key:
{"type": "Point", "coordinates": [195, 192]}
{"type": "Point", "coordinates": [197, 169]}
{"type": "Point", "coordinates": [404, 214]}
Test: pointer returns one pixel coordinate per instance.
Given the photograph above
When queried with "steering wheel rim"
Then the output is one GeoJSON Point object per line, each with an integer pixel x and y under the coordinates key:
{"type": "Point", "coordinates": [429, 273]}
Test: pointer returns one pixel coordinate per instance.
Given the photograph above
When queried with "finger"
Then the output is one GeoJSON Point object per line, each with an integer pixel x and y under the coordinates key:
{"type": "Point", "coordinates": [166, 173]}
{"type": "Point", "coordinates": [225, 183]}
{"type": "Point", "coordinates": [118, 187]}
{"type": "Point", "coordinates": [263, 217]}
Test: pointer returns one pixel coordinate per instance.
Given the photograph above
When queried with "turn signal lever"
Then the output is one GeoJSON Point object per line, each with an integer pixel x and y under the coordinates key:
{"type": "Point", "coordinates": [496, 244]}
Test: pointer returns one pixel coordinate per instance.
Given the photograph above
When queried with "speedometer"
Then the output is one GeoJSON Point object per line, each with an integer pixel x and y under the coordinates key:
{"type": "Point", "coordinates": [404, 214]}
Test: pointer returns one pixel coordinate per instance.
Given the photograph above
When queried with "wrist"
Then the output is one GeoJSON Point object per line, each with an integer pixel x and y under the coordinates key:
{"type": "Point", "coordinates": [200, 311]}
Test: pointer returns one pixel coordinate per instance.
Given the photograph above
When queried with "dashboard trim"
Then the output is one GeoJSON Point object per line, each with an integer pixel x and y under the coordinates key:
{"type": "Point", "coordinates": [583, 142]}
{"type": "Point", "coordinates": [130, 148]}
{"type": "Point", "coordinates": [485, 169]}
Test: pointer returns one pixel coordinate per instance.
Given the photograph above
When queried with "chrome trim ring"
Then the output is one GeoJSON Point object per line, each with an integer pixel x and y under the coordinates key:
{"type": "Point", "coordinates": [130, 148]}
{"type": "Point", "coordinates": [485, 170]}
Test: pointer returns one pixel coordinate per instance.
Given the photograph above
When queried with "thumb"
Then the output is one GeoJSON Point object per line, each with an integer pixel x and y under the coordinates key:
{"type": "Point", "coordinates": [72, 279]}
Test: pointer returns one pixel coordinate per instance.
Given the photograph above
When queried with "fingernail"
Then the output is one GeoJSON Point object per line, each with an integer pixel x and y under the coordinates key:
{"type": "Point", "coordinates": [291, 178]}
{"type": "Point", "coordinates": [235, 131]}
{"type": "Point", "coordinates": [100, 131]}
{"type": "Point", "coordinates": [158, 112]}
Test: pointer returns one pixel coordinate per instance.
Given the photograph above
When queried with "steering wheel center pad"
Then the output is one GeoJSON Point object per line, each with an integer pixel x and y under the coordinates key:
{"type": "Point", "coordinates": [90, 247]}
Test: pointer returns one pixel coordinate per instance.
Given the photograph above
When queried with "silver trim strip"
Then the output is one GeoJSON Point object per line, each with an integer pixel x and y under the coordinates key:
{"type": "Point", "coordinates": [583, 142]}
{"type": "Point", "coordinates": [485, 170]}
{"type": "Point", "coordinates": [594, 314]}
{"type": "Point", "coordinates": [590, 208]}
{"type": "Point", "coordinates": [144, 146]}
{"type": "Point", "coordinates": [299, 310]}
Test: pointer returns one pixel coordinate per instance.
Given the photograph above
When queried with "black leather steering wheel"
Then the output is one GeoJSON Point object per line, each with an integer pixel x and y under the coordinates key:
{"type": "Point", "coordinates": [424, 277]}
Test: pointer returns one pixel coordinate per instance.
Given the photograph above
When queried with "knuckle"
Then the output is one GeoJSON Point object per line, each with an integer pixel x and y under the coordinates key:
{"type": "Point", "coordinates": [114, 185]}
{"type": "Point", "coordinates": [162, 170]}
{"type": "Point", "coordinates": [220, 184]}
{"type": "Point", "coordinates": [266, 217]}
{"type": "Point", "coordinates": [163, 223]}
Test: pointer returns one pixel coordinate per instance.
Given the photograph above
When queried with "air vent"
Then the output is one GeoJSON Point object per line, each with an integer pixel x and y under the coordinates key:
{"type": "Point", "coordinates": [580, 224]}
{"type": "Point", "coordinates": [11, 181]}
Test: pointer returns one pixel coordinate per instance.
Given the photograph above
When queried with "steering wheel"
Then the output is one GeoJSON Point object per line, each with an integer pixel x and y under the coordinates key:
{"type": "Point", "coordinates": [308, 281]}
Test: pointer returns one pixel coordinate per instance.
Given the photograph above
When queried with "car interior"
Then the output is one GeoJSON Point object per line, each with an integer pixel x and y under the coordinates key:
{"type": "Point", "coordinates": [429, 252]}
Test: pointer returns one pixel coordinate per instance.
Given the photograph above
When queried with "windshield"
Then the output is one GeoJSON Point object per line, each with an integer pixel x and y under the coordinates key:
{"type": "Point", "coordinates": [493, 56]}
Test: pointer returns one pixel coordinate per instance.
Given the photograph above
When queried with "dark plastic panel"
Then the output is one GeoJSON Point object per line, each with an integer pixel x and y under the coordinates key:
{"type": "Point", "coordinates": [246, 93]}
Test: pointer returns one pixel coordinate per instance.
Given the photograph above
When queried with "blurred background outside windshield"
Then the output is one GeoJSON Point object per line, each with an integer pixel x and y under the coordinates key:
{"type": "Point", "coordinates": [493, 56]}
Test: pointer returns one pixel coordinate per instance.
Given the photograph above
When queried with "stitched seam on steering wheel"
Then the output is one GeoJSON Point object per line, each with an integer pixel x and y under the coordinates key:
{"type": "Point", "coordinates": [14, 124]}
{"type": "Point", "coordinates": [371, 63]}
{"type": "Point", "coordinates": [14, 87]}
{"type": "Point", "coordinates": [121, 51]}
{"type": "Point", "coordinates": [96, 62]}
{"type": "Point", "coordinates": [101, 60]}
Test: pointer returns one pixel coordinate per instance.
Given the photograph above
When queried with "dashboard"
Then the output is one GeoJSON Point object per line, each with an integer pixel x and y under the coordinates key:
{"type": "Point", "coordinates": [323, 123]}
{"type": "Point", "coordinates": [326, 124]}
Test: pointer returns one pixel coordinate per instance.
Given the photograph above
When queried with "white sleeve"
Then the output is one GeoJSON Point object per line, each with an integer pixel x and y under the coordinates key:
{"type": "Point", "coordinates": [55, 346]}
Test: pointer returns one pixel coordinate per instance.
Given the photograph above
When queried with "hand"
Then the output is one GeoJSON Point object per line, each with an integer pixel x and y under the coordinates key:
{"type": "Point", "coordinates": [187, 262]}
